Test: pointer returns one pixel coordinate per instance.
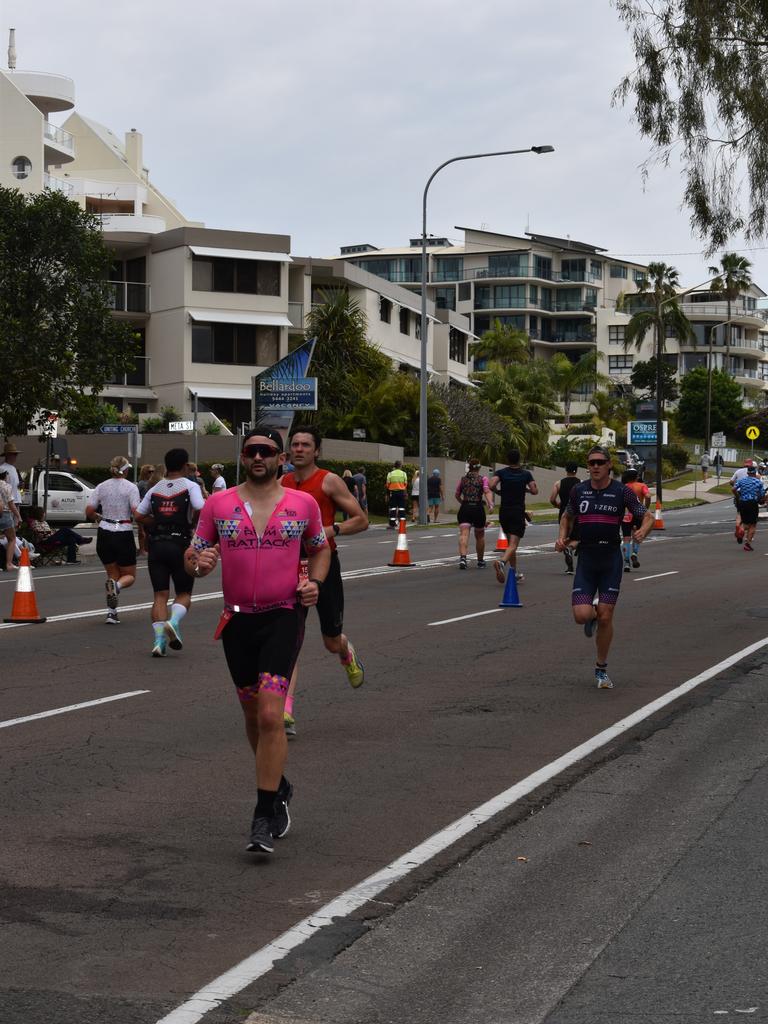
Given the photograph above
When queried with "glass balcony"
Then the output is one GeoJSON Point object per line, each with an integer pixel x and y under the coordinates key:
{"type": "Point", "coordinates": [137, 377]}
{"type": "Point", "coordinates": [129, 296]}
{"type": "Point", "coordinates": [296, 314]}
{"type": "Point", "coordinates": [60, 138]}
{"type": "Point", "coordinates": [58, 184]}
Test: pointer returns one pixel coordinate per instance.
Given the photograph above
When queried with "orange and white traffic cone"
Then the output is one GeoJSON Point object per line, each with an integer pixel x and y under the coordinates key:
{"type": "Point", "coordinates": [658, 520]}
{"type": "Point", "coordinates": [402, 555]}
{"type": "Point", "coordinates": [502, 542]}
{"type": "Point", "coordinates": [24, 600]}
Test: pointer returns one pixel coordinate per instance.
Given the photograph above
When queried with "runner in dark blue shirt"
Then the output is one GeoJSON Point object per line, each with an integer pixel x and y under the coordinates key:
{"type": "Point", "coordinates": [598, 506]}
{"type": "Point", "coordinates": [512, 483]}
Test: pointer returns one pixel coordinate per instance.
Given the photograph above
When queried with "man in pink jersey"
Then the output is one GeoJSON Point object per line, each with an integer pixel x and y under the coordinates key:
{"type": "Point", "coordinates": [258, 529]}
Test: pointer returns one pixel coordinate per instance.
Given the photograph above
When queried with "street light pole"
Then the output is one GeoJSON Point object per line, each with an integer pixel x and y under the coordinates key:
{"type": "Point", "coordinates": [424, 322]}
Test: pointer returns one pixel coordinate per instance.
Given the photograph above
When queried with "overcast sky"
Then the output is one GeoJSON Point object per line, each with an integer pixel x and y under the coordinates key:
{"type": "Point", "coordinates": [323, 121]}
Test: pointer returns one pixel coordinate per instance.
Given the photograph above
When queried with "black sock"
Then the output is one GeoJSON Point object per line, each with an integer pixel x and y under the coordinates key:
{"type": "Point", "coordinates": [265, 805]}
{"type": "Point", "coordinates": [604, 666]}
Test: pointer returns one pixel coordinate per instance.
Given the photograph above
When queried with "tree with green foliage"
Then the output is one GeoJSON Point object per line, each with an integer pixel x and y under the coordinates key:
{"type": "Point", "coordinates": [524, 395]}
{"type": "Point", "coordinates": [727, 408]}
{"type": "Point", "coordinates": [569, 377]}
{"type": "Point", "coordinates": [644, 379]}
{"type": "Point", "coordinates": [474, 427]}
{"type": "Point", "coordinates": [87, 414]}
{"type": "Point", "coordinates": [503, 344]}
{"type": "Point", "coordinates": [345, 363]}
{"type": "Point", "coordinates": [389, 412]}
{"type": "Point", "coordinates": [58, 338]}
{"type": "Point", "coordinates": [731, 279]}
{"type": "Point", "coordinates": [700, 92]}
{"type": "Point", "coordinates": [611, 411]}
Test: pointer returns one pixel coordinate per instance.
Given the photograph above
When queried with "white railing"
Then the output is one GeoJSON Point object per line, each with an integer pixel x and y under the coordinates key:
{"type": "Point", "coordinates": [58, 184]}
{"type": "Point", "coordinates": [129, 296]}
{"type": "Point", "coordinates": [61, 138]}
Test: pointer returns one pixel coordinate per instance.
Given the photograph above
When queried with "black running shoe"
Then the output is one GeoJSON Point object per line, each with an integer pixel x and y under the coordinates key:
{"type": "Point", "coordinates": [261, 835]}
{"type": "Point", "coordinates": [463, 562]}
{"type": "Point", "coordinates": [635, 562]}
{"type": "Point", "coordinates": [282, 819]}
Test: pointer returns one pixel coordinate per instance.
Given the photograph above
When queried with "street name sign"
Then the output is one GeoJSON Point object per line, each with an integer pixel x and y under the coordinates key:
{"type": "Point", "coordinates": [641, 432]}
{"type": "Point", "coordinates": [118, 428]}
{"type": "Point", "coordinates": [718, 441]}
{"type": "Point", "coordinates": [181, 425]}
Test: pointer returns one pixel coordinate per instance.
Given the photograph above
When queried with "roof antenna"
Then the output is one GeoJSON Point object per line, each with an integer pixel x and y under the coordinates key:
{"type": "Point", "coordinates": [12, 49]}
{"type": "Point", "coordinates": [528, 223]}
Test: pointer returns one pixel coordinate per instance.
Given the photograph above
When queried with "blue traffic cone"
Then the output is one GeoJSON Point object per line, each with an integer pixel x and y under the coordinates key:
{"type": "Point", "coordinates": [511, 598]}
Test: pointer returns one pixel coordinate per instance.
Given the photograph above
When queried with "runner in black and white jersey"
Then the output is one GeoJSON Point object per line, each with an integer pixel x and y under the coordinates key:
{"type": "Point", "coordinates": [168, 512]}
{"type": "Point", "coordinates": [112, 505]}
{"type": "Point", "coordinates": [598, 506]}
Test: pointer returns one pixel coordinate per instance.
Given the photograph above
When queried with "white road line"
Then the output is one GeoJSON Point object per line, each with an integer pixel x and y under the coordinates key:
{"type": "Point", "coordinates": [460, 618]}
{"type": "Point", "coordinates": [72, 707]}
{"type": "Point", "coordinates": [639, 579]}
{"type": "Point", "coordinates": [261, 962]}
{"type": "Point", "coordinates": [63, 575]}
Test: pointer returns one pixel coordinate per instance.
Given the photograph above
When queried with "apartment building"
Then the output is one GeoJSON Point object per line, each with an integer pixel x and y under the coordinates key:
{"type": "Point", "coordinates": [549, 287]}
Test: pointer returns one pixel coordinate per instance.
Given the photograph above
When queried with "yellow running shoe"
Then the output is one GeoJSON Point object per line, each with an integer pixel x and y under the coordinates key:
{"type": "Point", "coordinates": [355, 671]}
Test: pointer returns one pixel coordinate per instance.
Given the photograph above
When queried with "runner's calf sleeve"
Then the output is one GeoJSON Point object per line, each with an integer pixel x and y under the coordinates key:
{"type": "Point", "coordinates": [178, 611]}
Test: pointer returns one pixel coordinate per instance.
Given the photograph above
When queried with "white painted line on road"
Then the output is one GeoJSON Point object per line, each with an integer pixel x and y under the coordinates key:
{"type": "Point", "coordinates": [460, 618]}
{"type": "Point", "coordinates": [261, 962]}
{"type": "Point", "coordinates": [639, 579]}
{"type": "Point", "coordinates": [72, 707]}
{"type": "Point", "coordinates": [64, 575]}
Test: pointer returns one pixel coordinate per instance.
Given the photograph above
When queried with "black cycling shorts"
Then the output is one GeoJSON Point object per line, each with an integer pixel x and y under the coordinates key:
{"type": "Point", "coordinates": [512, 521]}
{"type": "Point", "coordinates": [116, 547]}
{"type": "Point", "coordinates": [165, 563]}
{"type": "Point", "coordinates": [261, 649]}
{"type": "Point", "coordinates": [749, 512]}
{"type": "Point", "coordinates": [330, 603]}
{"type": "Point", "coordinates": [471, 515]}
{"type": "Point", "coordinates": [598, 571]}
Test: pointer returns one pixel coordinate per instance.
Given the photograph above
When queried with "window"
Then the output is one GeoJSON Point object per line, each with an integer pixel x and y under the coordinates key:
{"type": "Point", "coordinates": [620, 362]}
{"type": "Point", "coordinates": [618, 271]}
{"type": "Point", "coordinates": [542, 267]}
{"type": "Point", "coordinates": [483, 297]}
{"type": "Point", "coordinates": [596, 268]}
{"type": "Point", "coordinates": [20, 167]}
{"type": "Point", "coordinates": [590, 297]}
{"type": "Point", "coordinates": [417, 327]}
{"type": "Point", "coordinates": [573, 270]}
{"type": "Point", "coordinates": [245, 277]}
{"type": "Point", "coordinates": [457, 348]}
{"type": "Point", "coordinates": [385, 310]}
{"type": "Point", "coordinates": [448, 268]}
{"type": "Point", "coordinates": [534, 294]}
{"type": "Point", "coordinates": [137, 407]}
{"type": "Point", "coordinates": [465, 292]}
{"type": "Point", "coordinates": [445, 298]}
{"type": "Point", "coordinates": [638, 276]}
{"type": "Point", "coordinates": [234, 344]}
{"type": "Point", "coordinates": [60, 482]}
{"type": "Point", "coordinates": [616, 335]}
{"type": "Point", "coordinates": [404, 321]}
{"type": "Point", "coordinates": [508, 265]}
{"type": "Point", "coordinates": [509, 296]}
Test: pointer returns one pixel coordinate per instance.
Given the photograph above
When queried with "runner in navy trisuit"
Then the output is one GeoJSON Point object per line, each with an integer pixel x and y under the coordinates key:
{"type": "Point", "coordinates": [598, 506]}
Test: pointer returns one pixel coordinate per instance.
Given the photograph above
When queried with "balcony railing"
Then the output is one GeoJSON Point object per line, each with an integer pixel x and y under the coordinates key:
{"type": "Point", "coordinates": [516, 270]}
{"type": "Point", "coordinates": [137, 377]}
{"type": "Point", "coordinates": [59, 137]}
{"type": "Point", "coordinates": [129, 296]}
{"type": "Point", "coordinates": [720, 309]}
{"type": "Point", "coordinates": [58, 184]}
{"type": "Point", "coordinates": [296, 314]}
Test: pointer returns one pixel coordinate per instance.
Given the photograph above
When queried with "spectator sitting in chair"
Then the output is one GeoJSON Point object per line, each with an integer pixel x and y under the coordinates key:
{"type": "Point", "coordinates": [46, 537]}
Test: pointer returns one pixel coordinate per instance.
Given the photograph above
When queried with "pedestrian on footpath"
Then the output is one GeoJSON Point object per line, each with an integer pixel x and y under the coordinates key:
{"type": "Point", "coordinates": [332, 496]}
{"type": "Point", "coordinates": [168, 513]}
{"type": "Point", "coordinates": [559, 498]}
{"type": "Point", "coordinates": [9, 518]}
{"type": "Point", "coordinates": [415, 489]}
{"type": "Point", "coordinates": [397, 485]}
{"type": "Point", "coordinates": [112, 505]}
{"type": "Point", "coordinates": [630, 545]}
{"type": "Point", "coordinates": [435, 495]}
{"type": "Point", "coordinates": [598, 506]}
{"type": "Point", "coordinates": [750, 494]}
{"type": "Point", "coordinates": [362, 488]}
{"type": "Point", "coordinates": [512, 483]}
{"type": "Point", "coordinates": [474, 495]}
{"type": "Point", "coordinates": [705, 463]}
{"type": "Point", "coordinates": [258, 529]}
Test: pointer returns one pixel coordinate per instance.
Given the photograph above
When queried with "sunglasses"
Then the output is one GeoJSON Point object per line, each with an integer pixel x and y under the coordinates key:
{"type": "Point", "coordinates": [597, 462]}
{"type": "Point", "coordinates": [264, 451]}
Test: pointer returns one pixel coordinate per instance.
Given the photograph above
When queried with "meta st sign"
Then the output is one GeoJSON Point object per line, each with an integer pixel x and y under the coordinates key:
{"type": "Point", "coordinates": [641, 432]}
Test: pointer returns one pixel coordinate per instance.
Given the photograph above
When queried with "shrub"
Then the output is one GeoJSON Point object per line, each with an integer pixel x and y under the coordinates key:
{"type": "Point", "coordinates": [211, 427]}
{"type": "Point", "coordinates": [152, 425]}
{"type": "Point", "coordinates": [677, 456]}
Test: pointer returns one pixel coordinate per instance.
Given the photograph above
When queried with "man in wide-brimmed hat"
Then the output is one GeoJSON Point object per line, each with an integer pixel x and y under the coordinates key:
{"type": "Point", "coordinates": [8, 462]}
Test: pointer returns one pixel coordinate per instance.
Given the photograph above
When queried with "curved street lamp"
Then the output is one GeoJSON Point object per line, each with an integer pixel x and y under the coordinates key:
{"type": "Point", "coordinates": [424, 325]}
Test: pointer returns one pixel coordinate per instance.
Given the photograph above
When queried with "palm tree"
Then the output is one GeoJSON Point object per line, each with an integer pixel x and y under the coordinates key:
{"type": "Point", "coordinates": [659, 311]}
{"type": "Point", "coordinates": [523, 394]}
{"type": "Point", "coordinates": [731, 279]}
{"type": "Point", "coordinates": [503, 344]}
{"type": "Point", "coordinates": [569, 377]}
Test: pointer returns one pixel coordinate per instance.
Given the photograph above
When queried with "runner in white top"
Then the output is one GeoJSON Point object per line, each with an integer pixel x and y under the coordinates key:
{"type": "Point", "coordinates": [115, 546]}
{"type": "Point", "coordinates": [219, 483]}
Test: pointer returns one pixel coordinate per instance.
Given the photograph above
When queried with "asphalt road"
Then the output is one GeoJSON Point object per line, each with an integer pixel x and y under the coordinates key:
{"type": "Point", "coordinates": [125, 886]}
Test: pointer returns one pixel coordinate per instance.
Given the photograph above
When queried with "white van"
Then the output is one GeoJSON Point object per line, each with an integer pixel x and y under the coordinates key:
{"type": "Point", "coordinates": [68, 495]}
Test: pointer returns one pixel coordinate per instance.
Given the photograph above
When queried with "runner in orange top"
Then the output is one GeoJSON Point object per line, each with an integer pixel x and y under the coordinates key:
{"type": "Point", "coordinates": [629, 546]}
{"type": "Point", "coordinates": [332, 495]}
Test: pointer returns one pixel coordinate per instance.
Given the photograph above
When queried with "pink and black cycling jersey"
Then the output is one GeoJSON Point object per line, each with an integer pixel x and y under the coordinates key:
{"type": "Point", "coordinates": [260, 573]}
{"type": "Point", "coordinates": [599, 511]}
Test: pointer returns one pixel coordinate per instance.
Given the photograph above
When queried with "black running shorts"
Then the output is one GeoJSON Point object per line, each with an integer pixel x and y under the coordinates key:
{"type": "Point", "coordinates": [263, 643]}
{"type": "Point", "coordinates": [598, 571]}
{"type": "Point", "coordinates": [471, 515]}
{"type": "Point", "coordinates": [512, 521]}
{"type": "Point", "coordinates": [166, 563]}
{"type": "Point", "coordinates": [116, 547]}
{"type": "Point", "coordinates": [749, 512]}
{"type": "Point", "coordinates": [330, 603]}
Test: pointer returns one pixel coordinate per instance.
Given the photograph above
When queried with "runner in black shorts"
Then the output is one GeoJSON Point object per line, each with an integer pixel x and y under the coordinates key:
{"type": "Point", "coordinates": [513, 483]}
{"type": "Point", "coordinates": [561, 492]}
{"type": "Point", "coordinates": [474, 495]}
{"type": "Point", "coordinates": [112, 505]}
{"type": "Point", "coordinates": [598, 506]}
{"type": "Point", "coordinates": [168, 511]}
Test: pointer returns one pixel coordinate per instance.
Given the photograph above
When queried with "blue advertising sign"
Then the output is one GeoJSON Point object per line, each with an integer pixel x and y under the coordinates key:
{"type": "Point", "coordinates": [118, 428]}
{"type": "Point", "coordinates": [287, 394]}
{"type": "Point", "coordinates": [640, 432]}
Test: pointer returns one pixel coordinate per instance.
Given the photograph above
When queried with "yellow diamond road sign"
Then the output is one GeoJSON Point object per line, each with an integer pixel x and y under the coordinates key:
{"type": "Point", "coordinates": [753, 433]}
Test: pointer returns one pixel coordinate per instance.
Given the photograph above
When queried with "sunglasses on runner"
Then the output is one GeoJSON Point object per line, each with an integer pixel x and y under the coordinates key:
{"type": "Point", "coordinates": [597, 462]}
{"type": "Point", "coordinates": [264, 451]}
